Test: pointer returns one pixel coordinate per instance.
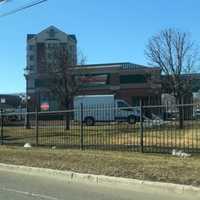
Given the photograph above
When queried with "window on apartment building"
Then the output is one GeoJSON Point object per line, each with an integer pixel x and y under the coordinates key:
{"type": "Point", "coordinates": [31, 47]}
{"type": "Point", "coordinates": [52, 45]}
{"type": "Point", "coordinates": [49, 56]}
{"type": "Point", "coordinates": [44, 98]}
{"type": "Point", "coordinates": [40, 83]}
{"type": "Point", "coordinates": [63, 44]}
{"type": "Point", "coordinates": [31, 67]}
{"type": "Point", "coordinates": [136, 78]}
{"type": "Point", "coordinates": [71, 49]}
{"type": "Point", "coordinates": [31, 57]}
{"type": "Point", "coordinates": [55, 45]}
{"type": "Point", "coordinates": [49, 45]}
{"type": "Point", "coordinates": [31, 83]}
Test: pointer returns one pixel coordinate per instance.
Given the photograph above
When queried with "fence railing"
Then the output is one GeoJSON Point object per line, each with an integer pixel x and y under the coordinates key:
{"type": "Point", "coordinates": [145, 128]}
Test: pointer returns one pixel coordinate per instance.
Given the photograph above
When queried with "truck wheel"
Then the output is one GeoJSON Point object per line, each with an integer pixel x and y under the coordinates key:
{"type": "Point", "coordinates": [89, 121]}
{"type": "Point", "coordinates": [131, 119]}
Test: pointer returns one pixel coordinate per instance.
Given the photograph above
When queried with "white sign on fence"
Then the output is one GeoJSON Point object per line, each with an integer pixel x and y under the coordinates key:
{"type": "Point", "coordinates": [3, 100]}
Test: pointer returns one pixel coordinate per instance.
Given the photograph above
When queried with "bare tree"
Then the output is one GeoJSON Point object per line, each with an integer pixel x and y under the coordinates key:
{"type": "Point", "coordinates": [63, 84]}
{"type": "Point", "coordinates": [176, 55]}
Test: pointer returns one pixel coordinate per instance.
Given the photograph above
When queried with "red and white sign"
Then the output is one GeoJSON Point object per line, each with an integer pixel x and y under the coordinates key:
{"type": "Point", "coordinates": [94, 79]}
{"type": "Point", "coordinates": [44, 106]}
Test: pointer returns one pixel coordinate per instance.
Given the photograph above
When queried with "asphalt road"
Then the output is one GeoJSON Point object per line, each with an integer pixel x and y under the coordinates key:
{"type": "Point", "coordinates": [18, 186]}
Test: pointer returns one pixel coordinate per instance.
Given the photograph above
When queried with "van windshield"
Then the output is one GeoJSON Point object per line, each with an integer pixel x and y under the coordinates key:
{"type": "Point", "coordinates": [122, 104]}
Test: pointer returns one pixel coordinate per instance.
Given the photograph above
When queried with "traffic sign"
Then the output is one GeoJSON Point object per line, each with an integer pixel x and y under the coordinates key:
{"type": "Point", "coordinates": [44, 106]}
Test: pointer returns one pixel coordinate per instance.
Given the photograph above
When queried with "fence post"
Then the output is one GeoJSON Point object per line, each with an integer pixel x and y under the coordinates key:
{"type": "Point", "coordinates": [141, 128]}
{"type": "Point", "coordinates": [36, 126]}
{"type": "Point", "coordinates": [81, 131]}
{"type": "Point", "coordinates": [2, 127]}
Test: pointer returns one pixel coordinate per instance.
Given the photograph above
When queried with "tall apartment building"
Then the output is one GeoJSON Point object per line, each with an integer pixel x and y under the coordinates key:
{"type": "Point", "coordinates": [39, 54]}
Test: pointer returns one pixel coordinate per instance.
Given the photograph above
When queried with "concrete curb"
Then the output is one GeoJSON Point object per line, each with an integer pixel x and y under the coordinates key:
{"type": "Point", "coordinates": [102, 180]}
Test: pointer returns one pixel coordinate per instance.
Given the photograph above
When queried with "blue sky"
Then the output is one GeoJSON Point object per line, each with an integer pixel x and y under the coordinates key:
{"type": "Point", "coordinates": [107, 30]}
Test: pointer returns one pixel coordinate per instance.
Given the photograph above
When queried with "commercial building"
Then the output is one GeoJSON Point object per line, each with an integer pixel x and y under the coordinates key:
{"type": "Point", "coordinates": [127, 81]}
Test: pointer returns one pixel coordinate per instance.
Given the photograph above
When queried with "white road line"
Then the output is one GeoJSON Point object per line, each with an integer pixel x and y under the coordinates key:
{"type": "Point", "coordinates": [4, 189]}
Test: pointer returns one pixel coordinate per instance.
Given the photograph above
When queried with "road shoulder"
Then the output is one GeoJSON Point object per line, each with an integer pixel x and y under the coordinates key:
{"type": "Point", "coordinates": [127, 183]}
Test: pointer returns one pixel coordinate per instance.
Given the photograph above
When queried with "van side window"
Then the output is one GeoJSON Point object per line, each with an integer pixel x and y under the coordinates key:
{"type": "Point", "coordinates": [121, 104]}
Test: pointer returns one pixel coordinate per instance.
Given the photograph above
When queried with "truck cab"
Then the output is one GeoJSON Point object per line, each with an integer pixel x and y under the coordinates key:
{"type": "Point", "coordinates": [125, 112]}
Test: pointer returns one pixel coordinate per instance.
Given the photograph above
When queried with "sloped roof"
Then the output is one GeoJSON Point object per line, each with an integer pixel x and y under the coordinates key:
{"type": "Point", "coordinates": [122, 65]}
{"type": "Point", "coordinates": [71, 36]}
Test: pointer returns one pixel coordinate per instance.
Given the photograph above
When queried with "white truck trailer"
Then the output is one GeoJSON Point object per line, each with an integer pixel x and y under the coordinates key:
{"type": "Point", "coordinates": [103, 108]}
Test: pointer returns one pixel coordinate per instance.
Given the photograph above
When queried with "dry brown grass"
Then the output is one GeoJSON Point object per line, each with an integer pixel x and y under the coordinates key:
{"type": "Point", "coordinates": [152, 167]}
{"type": "Point", "coordinates": [167, 135]}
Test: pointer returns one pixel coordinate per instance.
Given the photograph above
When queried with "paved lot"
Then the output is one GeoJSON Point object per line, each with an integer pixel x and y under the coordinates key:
{"type": "Point", "coordinates": [16, 186]}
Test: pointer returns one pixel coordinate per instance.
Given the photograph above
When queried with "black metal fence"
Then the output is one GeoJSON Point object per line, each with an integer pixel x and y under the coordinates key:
{"type": "Point", "coordinates": [146, 128]}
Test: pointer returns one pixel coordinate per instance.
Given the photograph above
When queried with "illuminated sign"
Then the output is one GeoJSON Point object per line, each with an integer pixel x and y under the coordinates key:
{"type": "Point", "coordinates": [94, 80]}
{"type": "Point", "coordinates": [44, 106]}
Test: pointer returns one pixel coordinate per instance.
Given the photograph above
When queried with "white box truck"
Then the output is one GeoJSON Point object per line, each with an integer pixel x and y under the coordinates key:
{"type": "Point", "coordinates": [103, 108]}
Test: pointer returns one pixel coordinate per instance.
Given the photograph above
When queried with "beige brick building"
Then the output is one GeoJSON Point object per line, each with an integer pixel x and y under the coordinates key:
{"type": "Point", "coordinates": [39, 54]}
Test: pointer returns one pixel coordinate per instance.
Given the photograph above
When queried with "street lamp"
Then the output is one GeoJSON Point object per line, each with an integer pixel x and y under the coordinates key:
{"type": "Point", "coordinates": [27, 72]}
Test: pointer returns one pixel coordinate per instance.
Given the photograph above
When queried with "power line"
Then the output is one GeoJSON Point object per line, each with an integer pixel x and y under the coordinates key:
{"type": "Point", "coordinates": [3, 1]}
{"type": "Point", "coordinates": [29, 5]}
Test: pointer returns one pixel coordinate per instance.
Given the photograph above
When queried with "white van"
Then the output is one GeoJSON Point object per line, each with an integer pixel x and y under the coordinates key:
{"type": "Point", "coordinates": [103, 108]}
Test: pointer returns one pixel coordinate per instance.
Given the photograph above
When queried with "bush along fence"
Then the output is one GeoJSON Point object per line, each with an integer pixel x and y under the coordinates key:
{"type": "Point", "coordinates": [144, 128]}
